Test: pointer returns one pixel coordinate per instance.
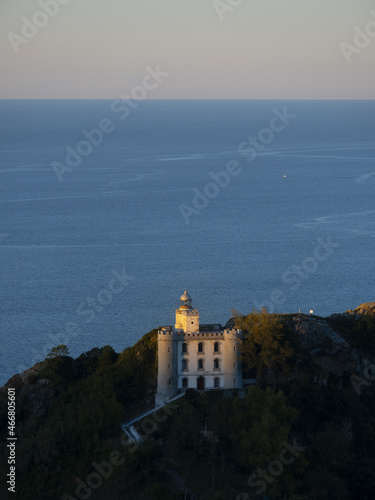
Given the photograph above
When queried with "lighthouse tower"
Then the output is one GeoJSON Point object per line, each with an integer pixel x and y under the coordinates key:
{"type": "Point", "coordinates": [167, 365]}
{"type": "Point", "coordinates": [187, 318]}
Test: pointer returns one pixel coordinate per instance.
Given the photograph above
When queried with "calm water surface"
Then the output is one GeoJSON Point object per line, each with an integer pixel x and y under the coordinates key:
{"type": "Point", "coordinates": [64, 244]}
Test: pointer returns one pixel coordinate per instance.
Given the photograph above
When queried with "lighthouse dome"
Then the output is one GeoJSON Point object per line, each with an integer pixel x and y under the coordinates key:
{"type": "Point", "coordinates": [185, 297]}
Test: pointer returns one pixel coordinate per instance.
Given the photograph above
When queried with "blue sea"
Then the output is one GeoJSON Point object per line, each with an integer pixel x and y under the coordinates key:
{"type": "Point", "coordinates": [223, 198]}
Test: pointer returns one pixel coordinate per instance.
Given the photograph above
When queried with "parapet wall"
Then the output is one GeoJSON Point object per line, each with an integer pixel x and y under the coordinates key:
{"type": "Point", "coordinates": [167, 333]}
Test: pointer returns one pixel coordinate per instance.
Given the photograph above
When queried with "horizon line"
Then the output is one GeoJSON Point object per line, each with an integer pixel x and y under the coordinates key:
{"type": "Point", "coordinates": [184, 99]}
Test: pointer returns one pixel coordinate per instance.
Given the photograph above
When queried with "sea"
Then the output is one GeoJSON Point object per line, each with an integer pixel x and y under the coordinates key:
{"type": "Point", "coordinates": [109, 211]}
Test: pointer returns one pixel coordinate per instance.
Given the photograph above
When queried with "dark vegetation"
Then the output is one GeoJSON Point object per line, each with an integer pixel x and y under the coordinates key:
{"type": "Point", "coordinates": [223, 444]}
{"type": "Point", "coordinates": [358, 331]}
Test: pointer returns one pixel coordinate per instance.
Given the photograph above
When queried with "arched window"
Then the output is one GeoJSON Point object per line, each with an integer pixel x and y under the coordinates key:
{"type": "Point", "coordinates": [200, 364]}
{"type": "Point", "coordinates": [216, 347]}
{"type": "Point", "coordinates": [216, 382]}
{"type": "Point", "coordinates": [184, 348]}
{"type": "Point", "coordinates": [184, 364]}
{"type": "Point", "coordinates": [185, 383]}
{"type": "Point", "coordinates": [216, 364]}
{"type": "Point", "coordinates": [200, 347]}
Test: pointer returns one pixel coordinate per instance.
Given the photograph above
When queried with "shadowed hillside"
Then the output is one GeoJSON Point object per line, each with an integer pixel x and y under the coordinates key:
{"type": "Point", "coordinates": [306, 431]}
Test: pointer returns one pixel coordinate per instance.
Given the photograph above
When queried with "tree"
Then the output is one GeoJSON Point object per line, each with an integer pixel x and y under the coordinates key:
{"type": "Point", "coordinates": [186, 443]}
{"type": "Point", "coordinates": [321, 484]}
{"type": "Point", "coordinates": [260, 434]}
{"type": "Point", "coordinates": [59, 368]}
{"type": "Point", "coordinates": [219, 411]}
{"type": "Point", "coordinates": [260, 423]}
{"type": "Point", "coordinates": [331, 447]}
{"type": "Point", "coordinates": [363, 334]}
{"type": "Point", "coordinates": [60, 350]}
{"type": "Point", "coordinates": [265, 344]}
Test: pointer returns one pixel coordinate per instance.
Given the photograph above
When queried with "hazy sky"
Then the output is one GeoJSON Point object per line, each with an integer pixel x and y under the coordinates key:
{"type": "Point", "coordinates": [259, 49]}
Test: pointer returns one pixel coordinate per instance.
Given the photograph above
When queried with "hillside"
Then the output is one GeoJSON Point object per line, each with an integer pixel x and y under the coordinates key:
{"type": "Point", "coordinates": [307, 433]}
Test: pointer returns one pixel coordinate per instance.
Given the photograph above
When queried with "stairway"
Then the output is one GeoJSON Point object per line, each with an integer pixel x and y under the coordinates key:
{"type": "Point", "coordinates": [129, 429]}
{"type": "Point", "coordinates": [132, 434]}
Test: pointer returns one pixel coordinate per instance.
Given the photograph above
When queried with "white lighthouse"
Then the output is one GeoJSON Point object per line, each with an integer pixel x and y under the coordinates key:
{"type": "Point", "coordinates": [201, 357]}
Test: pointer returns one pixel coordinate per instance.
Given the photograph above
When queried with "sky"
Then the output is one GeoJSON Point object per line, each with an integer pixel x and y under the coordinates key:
{"type": "Point", "coordinates": [211, 49]}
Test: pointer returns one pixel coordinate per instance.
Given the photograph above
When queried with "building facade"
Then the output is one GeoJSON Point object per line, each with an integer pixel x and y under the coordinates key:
{"type": "Point", "coordinates": [194, 356]}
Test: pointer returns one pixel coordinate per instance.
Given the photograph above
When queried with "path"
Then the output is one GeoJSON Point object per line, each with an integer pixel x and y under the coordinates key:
{"type": "Point", "coordinates": [129, 429]}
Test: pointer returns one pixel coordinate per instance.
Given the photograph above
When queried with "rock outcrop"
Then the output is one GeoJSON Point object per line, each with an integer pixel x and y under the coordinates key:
{"type": "Point", "coordinates": [37, 393]}
{"type": "Point", "coordinates": [330, 351]}
{"type": "Point", "coordinates": [367, 308]}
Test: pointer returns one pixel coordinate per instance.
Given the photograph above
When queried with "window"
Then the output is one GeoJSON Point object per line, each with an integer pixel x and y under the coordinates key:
{"type": "Point", "coordinates": [216, 382]}
{"type": "Point", "coordinates": [169, 381]}
{"type": "Point", "coordinates": [234, 348]}
{"type": "Point", "coordinates": [184, 348]}
{"type": "Point", "coordinates": [200, 364]}
{"type": "Point", "coordinates": [216, 347]}
{"type": "Point", "coordinates": [234, 365]}
{"type": "Point", "coordinates": [185, 383]}
{"type": "Point", "coordinates": [184, 364]}
{"type": "Point", "coordinates": [169, 366]}
{"type": "Point", "coordinates": [200, 347]}
{"type": "Point", "coordinates": [169, 349]}
{"type": "Point", "coordinates": [216, 364]}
